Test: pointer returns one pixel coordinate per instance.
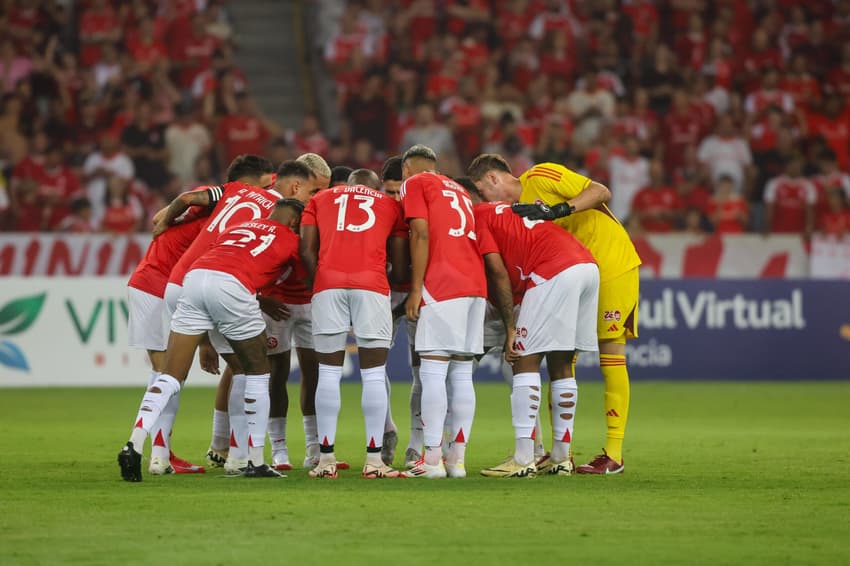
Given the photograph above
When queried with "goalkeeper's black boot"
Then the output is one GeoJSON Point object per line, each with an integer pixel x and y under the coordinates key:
{"type": "Point", "coordinates": [130, 462]}
{"type": "Point", "coordinates": [264, 471]}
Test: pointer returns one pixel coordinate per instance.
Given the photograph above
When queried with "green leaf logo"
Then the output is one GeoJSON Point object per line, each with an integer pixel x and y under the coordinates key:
{"type": "Point", "coordinates": [18, 315]}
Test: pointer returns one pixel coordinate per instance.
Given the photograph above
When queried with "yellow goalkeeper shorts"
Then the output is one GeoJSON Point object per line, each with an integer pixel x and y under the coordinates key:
{"type": "Point", "coordinates": [618, 306]}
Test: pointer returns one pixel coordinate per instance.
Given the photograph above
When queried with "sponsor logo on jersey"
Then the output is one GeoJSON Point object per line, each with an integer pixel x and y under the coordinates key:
{"type": "Point", "coordinates": [610, 316]}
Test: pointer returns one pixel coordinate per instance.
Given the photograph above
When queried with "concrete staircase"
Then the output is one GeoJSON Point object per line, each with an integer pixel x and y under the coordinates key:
{"type": "Point", "coordinates": [268, 51]}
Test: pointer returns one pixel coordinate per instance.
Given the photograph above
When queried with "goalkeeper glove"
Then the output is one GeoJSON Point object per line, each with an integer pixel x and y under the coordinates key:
{"type": "Point", "coordinates": [541, 211]}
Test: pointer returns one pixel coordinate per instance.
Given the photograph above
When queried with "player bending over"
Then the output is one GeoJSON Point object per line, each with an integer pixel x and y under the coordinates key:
{"type": "Point", "coordinates": [345, 232]}
{"type": "Point", "coordinates": [555, 281]}
{"type": "Point", "coordinates": [550, 191]}
{"type": "Point", "coordinates": [220, 293]}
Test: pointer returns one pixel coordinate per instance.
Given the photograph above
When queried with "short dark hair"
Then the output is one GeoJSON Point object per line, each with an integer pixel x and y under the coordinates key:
{"type": "Point", "coordinates": [467, 184]}
{"type": "Point", "coordinates": [80, 204]}
{"type": "Point", "coordinates": [485, 163]}
{"type": "Point", "coordinates": [339, 175]}
{"type": "Point", "coordinates": [391, 171]}
{"type": "Point", "coordinates": [419, 151]}
{"type": "Point", "coordinates": [249, 166]}
{"type": "Point", "coordinates": [365, 177]}
{"type": "Point", "coordinates": [295, 169]}
{"type": "Point", "coordinates": [290, 203]}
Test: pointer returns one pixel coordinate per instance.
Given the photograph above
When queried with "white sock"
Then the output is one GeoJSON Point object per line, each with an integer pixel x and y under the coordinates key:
{"type": "Point", "coordinates": [447, 423]}
{"type": "Point", "coordinates": [433, 374]}
{"type": "Point", "coordinates": [462, 407]}
{"type": "Point", "coordinates": [277, 433]}
{"type": "Point", "coordinates": [311, 435]}
{"type": "Point", "coordinates": [220, 431]}
{"type": "Point", "coordinates": [389, 424]}
{"type": "Point", "coordinates": [151, 407]}
{"type": "Point", "coordinates": [161, 432]}
{"type": "Point", "coordinates": [525, 407]}
{"type": "Point", "coordinates": [564, 400]}
{"type": "Point", "coordinates": [416, 433]}
{"type": "Point", "coordinates": [238, 420]}
{"type": "Point", "coordinates": [257, 405]}
{"type": "Point", "coordinates": [327, 405]}
{"type": "Point", "coordinates": [373, 401]}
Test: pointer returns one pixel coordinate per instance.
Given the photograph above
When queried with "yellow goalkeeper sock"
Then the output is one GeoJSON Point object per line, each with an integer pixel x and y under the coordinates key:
{"type": "Point", "coordinates": [616, 402]}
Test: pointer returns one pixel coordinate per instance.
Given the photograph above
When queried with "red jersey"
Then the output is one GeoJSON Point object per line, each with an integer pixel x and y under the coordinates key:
{"type": "Point", "coordinates": [790, 198]}
{"type": "Point", "coordinates": [254, 252]}
{"type": "Point", "coordinates": [681, 130]}
{"type": "Point", "coordinates": [654, 200]}
{"type": "Point", "coordinates": [241, 135]}
{"type": "Point", "coordinates": [534, 251]}
{"type": "Point", "coordinates": [727, 215]}
{"type": "Point", "coordinates": [354, 224]}
{"type": "Point", "coordinates": [835, 223]}
{"type": "Point", "coordinates": [232, 204]}
{"type": "Point", "coordinates": [151, 275]}
{"type": "Point", "coordinates": [122, 218]}
{"type": "Point", "coordinates": [836, 133]}
{"type": "Point", "coordinates": [455, 268]}
{"type": "Point", "coordinates": [289, 287]}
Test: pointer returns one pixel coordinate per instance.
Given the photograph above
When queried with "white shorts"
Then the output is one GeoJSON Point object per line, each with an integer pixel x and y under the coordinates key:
{"type": "Point", "coordinates": [559, 315]}
{"type": "Point", "coordinates": [494, 329]}
{"type": "Point", "coordinates": [172, 297]}
{"type": "Point", "coordinates": [213, 300]}
{"type": "Point", "coordinates": [453, 327]}
{"type": "Point", "coordinates": [148, 321]}
{"type": "Point", "coordinates": [297, 330]}
{"type": "Point", "coordinates": [367, 313]}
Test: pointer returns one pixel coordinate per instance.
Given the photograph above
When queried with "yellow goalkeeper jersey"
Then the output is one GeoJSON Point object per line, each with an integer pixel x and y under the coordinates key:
{"type": "Point", "coordinates": [598, 229]}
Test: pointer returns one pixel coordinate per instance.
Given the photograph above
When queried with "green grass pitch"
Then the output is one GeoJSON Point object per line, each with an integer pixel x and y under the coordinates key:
{"type": "Point", "coordinates": [716, 473]}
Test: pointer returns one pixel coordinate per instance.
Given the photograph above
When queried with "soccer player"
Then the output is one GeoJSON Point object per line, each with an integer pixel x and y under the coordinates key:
{"type": "Point", "coordinates": [319, 167]}
{"type": "Point", "coordinates": [286, 310]}
{"type": "Point", "coordinates": [391, 180]}
{"type": "Point", "coordinates": [148, 330]}
{"type": "Point", "coordinates": [447, 299]}
{"type": "Point", "coordinates": [552, 192]}
{"type": "Point", "coordinates": [220, 293]}
{"type": "Point", "coordinates": [345, 233]}
{"type": "Point", "coordinates": [239, 200]}
{"type": "Point", "coordinates": [555, 280]}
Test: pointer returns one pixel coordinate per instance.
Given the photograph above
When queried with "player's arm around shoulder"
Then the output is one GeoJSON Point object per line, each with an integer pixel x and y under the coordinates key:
{"type": "Point", "coordinates": [180, 204]}
{"type": "Point", "coordinates": [562, 191]}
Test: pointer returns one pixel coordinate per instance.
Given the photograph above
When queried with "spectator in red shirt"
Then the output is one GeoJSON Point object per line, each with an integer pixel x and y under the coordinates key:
{"type": "Point", "coordinates": [98, 25]}
{"type": "Point", "coordinates": [834, 127]}
{"type": "Point", "coordinates": [681, 130]}
{"type": "Point", "coordinates": [803, 87]}
{"type": "Point", "coordinates": [145, 48]}
{"type": "Point", "coordinates": [769, 96]}
{"type": "Point", "coordinates": [79, 220]}
{"type": "Point", "coordinates": [762, 57]}
{"type": "Point", "coordinates": [790, 200]}
{"type": "Point", "coordinates": [197, 51]}
{"type": "Point", "coordinates": [56, 185]}
{"type": "Point", "coordinates": [835, 220]}
{"type": "Point", "coordinates": [30, 167]}
{"type": "Point", "coordinates": [657, 206]}
{"type": "Point", "coordinates": [692, 46]}
{"type": "Point", "coordinates": [310, 138]}
{"type": "Point", "coordinates": [123, 212]}
{"type": "Point", "coordinates": [246, 131]}
{"type": "Point", "coordinates": [727, 211]}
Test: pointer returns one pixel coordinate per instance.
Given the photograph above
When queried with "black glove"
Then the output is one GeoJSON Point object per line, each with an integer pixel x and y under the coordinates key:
{"type": "Point", "coordinates": [540, 211]}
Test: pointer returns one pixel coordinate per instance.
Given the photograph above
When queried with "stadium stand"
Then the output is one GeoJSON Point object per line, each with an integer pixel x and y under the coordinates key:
{"type": "Point", "coordinates": [701, 115]}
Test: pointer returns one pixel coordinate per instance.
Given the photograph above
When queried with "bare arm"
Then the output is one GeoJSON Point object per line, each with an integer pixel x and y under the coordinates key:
{"type": "Point", "coordinates": [499, 290]}
{"type": "Point", "coordinates": [399, 255]}
{"type": "Point", "coordinates": [178, 206]}
{"type": "Point", "coordinates": [418, 263]}
{"type": "Point", "coordinates": [309, 250]}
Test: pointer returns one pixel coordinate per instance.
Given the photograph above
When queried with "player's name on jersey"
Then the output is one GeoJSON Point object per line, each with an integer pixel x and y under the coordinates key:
{"type": "Point", "coordinates": [361, 190]}
{"type": "Point", "coordinates": [708, 310]}
{"type": "Point", "coordinates": [258, 198]}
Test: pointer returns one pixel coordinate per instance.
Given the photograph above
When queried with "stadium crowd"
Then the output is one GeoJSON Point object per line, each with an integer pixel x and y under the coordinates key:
{"type": "Point", "coordinates": [726, 115]}
{"type": "Point", "coordinates": [109, 109]}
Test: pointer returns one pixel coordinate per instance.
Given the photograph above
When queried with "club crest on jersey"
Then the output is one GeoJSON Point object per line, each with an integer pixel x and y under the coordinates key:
{"type": "Point", "coordinates": [522, 332]}
{"type": "Point", "coordinates": [610, 316]}
{"type": "Point", "coordinates": [271, 342]}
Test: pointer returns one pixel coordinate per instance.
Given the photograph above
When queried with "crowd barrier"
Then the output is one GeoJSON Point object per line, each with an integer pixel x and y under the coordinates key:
{"type": "Point", "coordinates": [72, 331]}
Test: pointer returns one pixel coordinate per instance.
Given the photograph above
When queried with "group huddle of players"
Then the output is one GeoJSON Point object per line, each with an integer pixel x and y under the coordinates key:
{"type": "Point", "coordinates": [293, 256]}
